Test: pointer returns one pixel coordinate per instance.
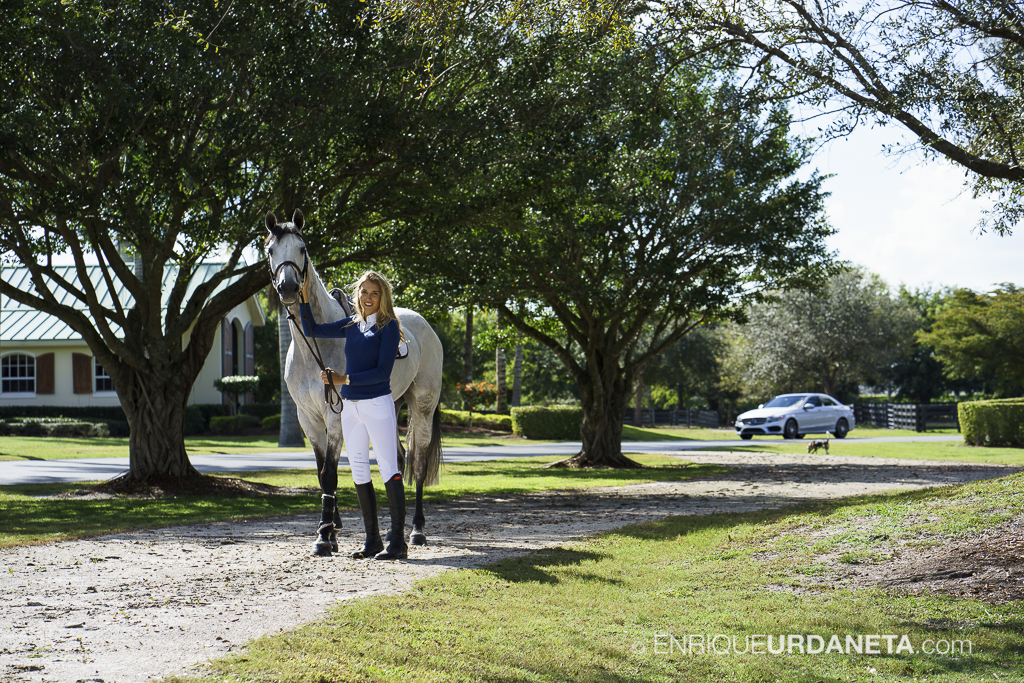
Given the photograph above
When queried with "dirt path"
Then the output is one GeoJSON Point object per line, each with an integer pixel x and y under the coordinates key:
{"type": "Point", "coordinates": [135, 606]}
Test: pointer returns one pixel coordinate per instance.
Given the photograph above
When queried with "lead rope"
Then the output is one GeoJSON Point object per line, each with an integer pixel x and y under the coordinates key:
{"type": "Point", "coordinates": [331, 395]}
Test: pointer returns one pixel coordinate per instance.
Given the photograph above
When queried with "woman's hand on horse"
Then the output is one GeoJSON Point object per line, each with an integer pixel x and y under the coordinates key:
{"type": "Point", "coordinates": [305, 288]}
{"type": "Point", "coordinates": [338, 379]}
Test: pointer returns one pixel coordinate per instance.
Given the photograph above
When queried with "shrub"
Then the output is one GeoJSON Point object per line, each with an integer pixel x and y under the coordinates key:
{"type": "Point", "coordinates": [55, 426]}
{"type": "Point", "coordinates": [993, 423]}
{"type": "Point", "coordinates": [229, 424]}
{"type": "Point", "coordinates": [461, 418]}
{"type": "Point", "coordinates": [556, 422]}
{"type": "Point", "coordinates": [33, 428]}
{"type": "Point", "coordinates": [194, 423]}
{"type": "Point", "coordinates": [272, 423]}
{"type": "Point", "coordinates": [261, 410]}
{"type": "Point", "coordinates": [80, 413]}
{"type": "Point", "coordinates": [118, 428]}
{"type": "Point", "coordinates": [210, 411]}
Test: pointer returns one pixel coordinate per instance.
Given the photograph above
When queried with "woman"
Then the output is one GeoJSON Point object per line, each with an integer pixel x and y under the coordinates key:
{"type": "Point", "coordinates": [372, 337]}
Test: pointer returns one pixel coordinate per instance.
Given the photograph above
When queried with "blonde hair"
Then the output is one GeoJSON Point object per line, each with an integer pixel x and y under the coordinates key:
{"type": "Point", "coordinates": [386, 311]}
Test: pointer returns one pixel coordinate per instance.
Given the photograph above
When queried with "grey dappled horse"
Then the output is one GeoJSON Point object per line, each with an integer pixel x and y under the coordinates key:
{"type": "Point", "coordinates": [415, 380]}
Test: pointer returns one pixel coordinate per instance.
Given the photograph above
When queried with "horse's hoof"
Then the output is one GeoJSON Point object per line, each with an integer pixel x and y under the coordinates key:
{"type": "Point", "coordinates": [321, 549]}
{"type": "Point", "coordinates": [418, 538]}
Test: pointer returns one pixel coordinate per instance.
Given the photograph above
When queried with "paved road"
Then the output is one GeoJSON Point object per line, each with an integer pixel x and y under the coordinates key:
{"type": "Point", "coordinates": [99, 469]}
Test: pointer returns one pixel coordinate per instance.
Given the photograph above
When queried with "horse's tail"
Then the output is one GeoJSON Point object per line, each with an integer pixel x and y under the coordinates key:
{"type": "Point", "coordinates": [435, 453]}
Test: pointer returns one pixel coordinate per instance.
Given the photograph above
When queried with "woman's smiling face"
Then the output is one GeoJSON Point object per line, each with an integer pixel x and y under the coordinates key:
{"type": "Point", "coordinates": [369, 298]}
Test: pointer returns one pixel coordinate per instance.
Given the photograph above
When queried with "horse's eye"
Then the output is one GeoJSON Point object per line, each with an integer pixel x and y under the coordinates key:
{"type": "Point", "coordinates": [303, 251]}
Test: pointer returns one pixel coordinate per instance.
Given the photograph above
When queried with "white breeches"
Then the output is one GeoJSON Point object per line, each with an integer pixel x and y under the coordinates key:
{"type": "Point", "coordinates": [371, 419]}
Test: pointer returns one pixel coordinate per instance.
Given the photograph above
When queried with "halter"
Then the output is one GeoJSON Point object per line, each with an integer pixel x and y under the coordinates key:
{"type": "Point", "coordinates": [331, 395]}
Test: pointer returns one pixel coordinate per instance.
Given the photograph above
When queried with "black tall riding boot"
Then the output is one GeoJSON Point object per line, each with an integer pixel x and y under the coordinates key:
{"type": "Point", "coordinates": [322, 547]}
{"type": "Point", "coordinates": [397, 549]}
{"type": "Point", "coordinates": [368, 507]}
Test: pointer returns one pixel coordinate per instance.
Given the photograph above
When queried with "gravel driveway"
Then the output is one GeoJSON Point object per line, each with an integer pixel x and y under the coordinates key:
{"type": "Point", "coordinates": [134, 606]}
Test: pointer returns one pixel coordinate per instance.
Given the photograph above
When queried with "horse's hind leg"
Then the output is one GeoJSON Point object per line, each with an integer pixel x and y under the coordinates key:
{"type": "Point", "coordinates": [425, 455]}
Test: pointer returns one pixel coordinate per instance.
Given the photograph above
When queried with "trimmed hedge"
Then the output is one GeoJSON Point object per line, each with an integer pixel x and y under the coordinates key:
{"type": "Point", "coordinates": [260, 410]}
{"type": "Point", "coordinates": [461, 418]}
{"type": "Point", "coordinates": [233, 423]}
{"type": "Point", "coordinates": [43, 426]}
{"type": "Point", "coordinates": [554, 422]}
{"type": "Point", "coordinates": [992, 423]}
{"type": "Point", "coordinates": [272, 423]}
{"type": "Point", "coordinates": [82, 413]}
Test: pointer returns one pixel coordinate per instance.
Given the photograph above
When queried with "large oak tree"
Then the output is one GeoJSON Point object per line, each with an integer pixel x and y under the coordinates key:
{"type": "Point", "coordinates": [167, 130]}
{"type": "Point", "coordinates": [949, 72]}
{"type": "Point", "coordinates": [665, 199]}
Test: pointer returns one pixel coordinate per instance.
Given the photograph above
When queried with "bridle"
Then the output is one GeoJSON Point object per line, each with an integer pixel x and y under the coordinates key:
{"type": "Point", "coordinates": [331, 395]}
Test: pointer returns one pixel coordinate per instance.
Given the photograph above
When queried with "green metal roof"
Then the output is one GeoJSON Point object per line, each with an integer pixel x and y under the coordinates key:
{"type": "Point", "coordinates": [21, 323]}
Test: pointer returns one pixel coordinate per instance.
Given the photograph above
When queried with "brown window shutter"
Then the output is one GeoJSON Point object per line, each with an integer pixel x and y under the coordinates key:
{"type": "Point", "coordinates": [226, 331]}
{"type": "Point", "coordinates": [44, 373]}
{"type": "Point", "coordinates": [82, 370]}
{"type": "Point", "coordinates": [250, 358]}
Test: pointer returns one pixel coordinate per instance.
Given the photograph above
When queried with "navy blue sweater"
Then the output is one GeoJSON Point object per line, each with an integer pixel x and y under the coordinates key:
{"type": "Point", "coordinates": [369, 356]}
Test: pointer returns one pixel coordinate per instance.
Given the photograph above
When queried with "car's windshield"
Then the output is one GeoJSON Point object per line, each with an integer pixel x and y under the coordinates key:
{"type": "Point", "coordinates": [785, 401]}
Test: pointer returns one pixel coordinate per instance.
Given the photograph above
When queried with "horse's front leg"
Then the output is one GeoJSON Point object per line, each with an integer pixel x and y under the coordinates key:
{"type": "Point", "coordinates": [327, 473]}
{"type": "Point", "coordinates": [418, 520]}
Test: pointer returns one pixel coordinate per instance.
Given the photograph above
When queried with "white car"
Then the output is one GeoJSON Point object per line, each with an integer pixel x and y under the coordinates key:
{"type": "Point", "coordinates": [793, 415]}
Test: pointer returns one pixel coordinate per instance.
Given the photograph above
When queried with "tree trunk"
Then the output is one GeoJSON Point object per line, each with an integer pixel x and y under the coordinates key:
{"type": "Point", "coordinates": [467, 372]}
{"type": "Point", "coordinates": [638, 402]}
{"type": "Point", "coordinates": [291, 432]}
{"type": "Point", "coordinates": [517, 376]}
{"type": "Point", "coordinates": [604, 411]}
{"type": "Point", "coordinates": [154, 404]}
{"type": "Point", "coordinates": [499, 367]}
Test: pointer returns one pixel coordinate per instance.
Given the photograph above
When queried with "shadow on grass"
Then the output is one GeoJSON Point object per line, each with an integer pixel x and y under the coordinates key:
{"type": "Point", "coordinates": [533, 568]}
{"type": "Point", "coordinates": [677, 526]}
{"type": "Point", "coordinates": [40, 520]}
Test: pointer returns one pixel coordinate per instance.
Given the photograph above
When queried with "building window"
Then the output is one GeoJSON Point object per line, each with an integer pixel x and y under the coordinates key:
{"type": "Point", "coordinates": [17, 374]}
{"type": "Point", "coordinates": [103, 381]}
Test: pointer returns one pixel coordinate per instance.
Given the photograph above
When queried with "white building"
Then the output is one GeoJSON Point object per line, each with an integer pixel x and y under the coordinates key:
{"type": "Point", "coordinates": [44, 362]}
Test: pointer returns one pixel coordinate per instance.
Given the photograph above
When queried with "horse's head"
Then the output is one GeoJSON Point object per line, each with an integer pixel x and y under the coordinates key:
{"type": "Point", "coordinates": [286, 254]}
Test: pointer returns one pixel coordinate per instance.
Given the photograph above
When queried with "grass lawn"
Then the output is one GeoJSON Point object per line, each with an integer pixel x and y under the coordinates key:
{"type": "Point", "coordinates": [60, 448]}
{"type": "Point", "coordinates": [934, 450]}
{"type": "Point", "coordinates": [54, 448]}
{"type": "Point", "coordinates": [28, 518]}
{"type": "Point", "coordinates": [700, 434]}
{"type": "Point", "coordinates": [630, 605]}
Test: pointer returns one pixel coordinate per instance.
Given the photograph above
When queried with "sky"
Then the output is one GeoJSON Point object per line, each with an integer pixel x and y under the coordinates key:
{"type": "Point", "coordinates": [913, 223]}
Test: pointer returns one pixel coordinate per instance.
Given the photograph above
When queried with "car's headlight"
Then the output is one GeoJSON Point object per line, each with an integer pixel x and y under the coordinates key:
{"type": "Point", "coordinates": [774, 419]}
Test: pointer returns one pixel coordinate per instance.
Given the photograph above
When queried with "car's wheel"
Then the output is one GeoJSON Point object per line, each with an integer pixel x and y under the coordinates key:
{"type": "Point", "coordinates": [746, 437]}
{"type": "Point", "coordinates": [842, 428]}
{"type": "Point", "coordinates": [790, 431]}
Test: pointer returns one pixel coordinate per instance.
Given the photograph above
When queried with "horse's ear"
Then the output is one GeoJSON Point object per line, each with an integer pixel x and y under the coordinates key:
{"type": "Point", "coordinates": [297, 219]}
{"type": "Point", "coordinates": [271, 222]}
